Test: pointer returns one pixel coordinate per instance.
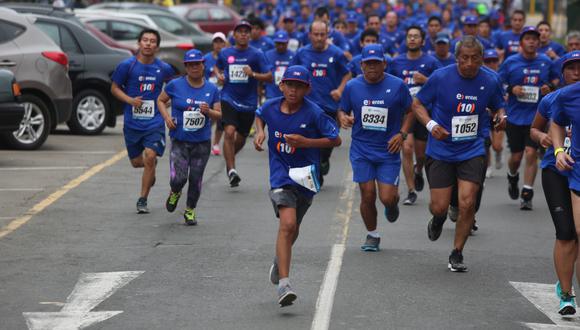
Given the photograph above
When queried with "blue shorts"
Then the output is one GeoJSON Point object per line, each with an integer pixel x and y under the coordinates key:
{"type": "Point", "coordinates": [136, 141]}
{"type": "Point", "coordinates": [364, 170]}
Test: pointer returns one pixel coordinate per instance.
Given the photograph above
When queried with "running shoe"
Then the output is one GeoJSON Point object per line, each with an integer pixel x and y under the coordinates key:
{"type": "Point", "coordinates": [324, 167]}
{"type": "Point", "coordinates": [474, 227]}
{"type": "Point", "coordinates": [489, 172]}
{"type": "Point", "coordinates": [392, 213]}
{"type": "Point", "coordinates": [498, 163]}
{"type": "Point", "coordinates": [142, 205]}
{"type": "Point", "coordinates": [513, 186]}
{"type": "Point", "coordinates": [411, 198]}
{"type": "Point", "coordinates": [526, 199]}
{"type": "Point", "coordinates": [453, 213]}
{"type": "Point", "coordinates": [234, 178]}
{"type": "Point", "coordinates": [274, 276]}
{"type": "Point", "coordinates": [526, 205]}
{"type": "Point", "coordinates": [434, 229]}
{"type": "Point", "coordinates": [558, 289]}
{"type": "Point", "coordinates": [215, 150]}
{"type": "Point", "coordinates": [252, 132]}
{"type": "Point", "coordinates": [172, 200]}
{"type": "Point", "coordinates": [286, 296]}
{"type": "Point", "coordinates": [419, 181]}
{"type": "Point", "coordinates": [190, 217]}
{"type": "Point", "coordinates": [456, 262]}
{"type": "Point", "coordinates": [567, 304]}
{"type": "Point", "coordinates": [371, 244]}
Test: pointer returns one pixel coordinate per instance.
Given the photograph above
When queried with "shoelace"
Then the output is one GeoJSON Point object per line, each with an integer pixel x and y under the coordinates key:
{"type": "Point", "coordinates": [173, 198]}
{"type": "Point", "coordinates": [567, 297]}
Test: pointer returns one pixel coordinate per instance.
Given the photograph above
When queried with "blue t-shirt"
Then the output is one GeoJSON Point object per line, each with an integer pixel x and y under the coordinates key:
{"type": "Point", "coordinates": [545, 110]}
{"type": "Point", "coordinates": [278, 65]}
{"type": "Point", "coordinates": [405, 68]}
{"type": "Point", "coordinates": [509, 41]}
{"type": "Point", "coordinates": [263, 43]}
{"type": "Point", "coordinates": [565, 112]}
{"type": "Point", "coordinates": [335, 37]}
{"type": "Point", "coordinates": [145, 80]}
{"type": "Point", "coordinates": [240, 90]}
{"type": "Point", "coordinates": [378, 111]}
{"type": "Point", "coordinates": [388, 45]}
{"type": "Point", "coordinates": [552, 45]}
{"type": "Point", "coordinates": [532, 74]}
{"type": "Point", "coordinates": [447, 61]}
{"type": "Point", "coordinates": [191, 124]}
{"type": "Point", "coordinates": [327, 67]}
{"type": "Point", "coordinates": [311, 122]}
{"type": "Point", "coordinates": [209, 63]}
{"type": "Point", "coordinates": [459, 105]}
{"type": "Point", "coordinates": [397, 36]}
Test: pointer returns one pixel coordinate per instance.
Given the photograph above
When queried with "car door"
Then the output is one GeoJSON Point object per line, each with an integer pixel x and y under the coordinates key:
{"type": "Point", "coordinates": [10, 54]}
{"type": "Point", "coordinates": [64, 38]}
{"type": "Point", "coordinates": [201, 17]}
{"type": "Point", "coordinates": [221, 19]}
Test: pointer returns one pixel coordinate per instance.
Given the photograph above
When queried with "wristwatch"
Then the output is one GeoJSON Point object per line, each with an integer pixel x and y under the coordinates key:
{"type": "Point", "coordinates": [404, 135]}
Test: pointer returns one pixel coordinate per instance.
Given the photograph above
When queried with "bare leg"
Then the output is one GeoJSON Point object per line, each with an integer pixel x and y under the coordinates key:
{"type": "Point", "coordinates": [408, 171]}
{"type": "Point", "coordinates": [287, 234]}
{"type": "Point", "coordinates": [467, 191]}
{"type": "Point", "coordinates": [148, 172]}
{"type": "Point", "coordinates": [531, 166]}
{"type": "Point", "coordinates": [368, 209]}
{"type": "Point", "coordinates": [229, 147]}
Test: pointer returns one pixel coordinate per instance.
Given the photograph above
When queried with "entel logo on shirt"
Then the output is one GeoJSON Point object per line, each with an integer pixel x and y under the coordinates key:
{"type": "Point", "coordinates": [466, 97]}
{"type": "Point", "coordinates": [531, 71]}
{"type": "Point", "coordinates": [373, 102]}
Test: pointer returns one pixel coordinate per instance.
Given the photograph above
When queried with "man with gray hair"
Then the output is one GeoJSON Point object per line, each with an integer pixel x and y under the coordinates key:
{"type": "Point", "coordinates": [458, 96]}
{"type": "Point", "coordinates": [573, 41]}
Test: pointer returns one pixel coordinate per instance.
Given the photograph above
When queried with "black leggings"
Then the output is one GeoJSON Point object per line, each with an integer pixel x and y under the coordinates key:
{"type": "Point", "coordinates": [187, 162]}
{"type": "Point", "coordinates": [559, 203]}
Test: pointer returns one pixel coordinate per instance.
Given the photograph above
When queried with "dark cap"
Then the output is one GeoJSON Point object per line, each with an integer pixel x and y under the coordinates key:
{"type": "Point", "coordinates": [570, 57]}
{"type": "Point", "coordinates": [243, 24]}
{"type": "Point", "coordinates": [442, 37]}
{"type": "Point", "coordinates": [490, 54]}
{"type": "Point", "coordinates": [529, 29]}
{"type": "Point", "coordinates": [470, 20]}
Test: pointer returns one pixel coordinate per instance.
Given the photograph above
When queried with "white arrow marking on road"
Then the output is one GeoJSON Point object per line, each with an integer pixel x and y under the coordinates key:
{"type": "Point", "coordinates": [91, 290]}
{"type": "Point", "coordinates": [543, 296]}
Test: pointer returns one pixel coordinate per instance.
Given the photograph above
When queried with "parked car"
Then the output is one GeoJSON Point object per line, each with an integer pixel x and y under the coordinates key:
{"type": "Point", "coordinates": [171, 50]}
{"type": "Point", "coordinates": [210, 17]}
{"type": "Point", "coordinates": [41, 69]}
{"type": "Point", "coordinates": [128, 6]}
{"type": "Point", "coordinates": [110, 41]}
{"type": "Point", "coordinates": [91, 65]}
{"type": "Point", "coordinates": [11, 111]}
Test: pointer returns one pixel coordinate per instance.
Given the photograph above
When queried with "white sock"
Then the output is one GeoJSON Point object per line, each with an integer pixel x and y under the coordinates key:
{"type": "Point", "coordinates": [510, 173]}
{"type": "Point", "coordinates": [233, 170]}
{"type": "Point", "coordinates": [284, 282]}
{"type": "Point", "coordinates": [374, 234]}
{"type": "Point", "coordinates": [528, 187]}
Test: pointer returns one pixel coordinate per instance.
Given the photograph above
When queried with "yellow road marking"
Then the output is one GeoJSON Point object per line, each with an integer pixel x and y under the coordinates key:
{"type": "Point", "coordinates": [55, 196]}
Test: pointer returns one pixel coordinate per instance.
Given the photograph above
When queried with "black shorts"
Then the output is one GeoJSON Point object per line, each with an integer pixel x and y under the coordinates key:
{"type": "Point", "coordinates": [420, 132]}
{"type": "Point", "coordinates": [289, 196]}
{"type": "Point", "coordinates": [518, 137]}
{"type": "Point", "coordinates": [559, 203]}
{"type": "Point", "coordinates": [441, 174]}
{"type": "Point", "coordinates": [242, 121]}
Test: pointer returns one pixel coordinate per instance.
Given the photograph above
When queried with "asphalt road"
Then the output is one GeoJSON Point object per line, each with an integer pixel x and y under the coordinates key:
{"type": "Point", "coordinates": [215, 275]}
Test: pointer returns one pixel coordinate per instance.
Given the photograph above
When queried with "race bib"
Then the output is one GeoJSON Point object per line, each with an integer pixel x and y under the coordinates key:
{"type": "Point", "coordinates": [531, 94]}
{"type": "Point", "coordinates": [145, 112]}
{"type": "Point", "coordinates": [279, 74]}
{"type": "Point", "coordinates": [464, 127]}
{"type": "Point", "coordinates": [374, 118]}
{"type": "Point", "coordinates": [193, 120]}
{"type": "Point", "coordinates": [414, 90]}
{"type": "Point", "coordinates": [306, 177]}
{"type": "Point", "coordinates": [237, 74]}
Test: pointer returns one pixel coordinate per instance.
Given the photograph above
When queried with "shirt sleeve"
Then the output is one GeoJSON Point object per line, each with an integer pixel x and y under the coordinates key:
{"type": "Point", "coordinates": [121, 73]}
{"type": "Point", "coordinates": [345, 104]}
{"type": "Point", "coordinates": [559, 116]}
{"type": "Point", "coordinates": [504, 73]}
{"type": "Point", "coordinates": [170, 88]}
{"type": "Point", "coordinates": [341, 66]}
{"type": "Point", "coordinates": [169, 72]}
{"type": "Point", "coordinates": [350, 67]}
{"type": "Point", "coordinates": [427, 94]}
{"type": "Point", "coordinates": [326, 126]}
{"type": "Point", "coordinates": [406, 98]}
{"type": "Point", "coordinates": [262, 63]}
{"type": "Point", "coordinates": [497, 100]}
{"type": "Point", "coordinates": [216, 96]}
{"type": "Point", "coordinates": [544, 109]}
{"type": "Point", "coordinates": [221, 61]}
{"type": "Point", "coordinates": [554, 72]}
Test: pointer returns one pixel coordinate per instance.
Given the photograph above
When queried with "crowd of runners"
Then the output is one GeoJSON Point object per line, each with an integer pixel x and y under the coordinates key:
{"type": "Point", "coordinates": [427, 90]}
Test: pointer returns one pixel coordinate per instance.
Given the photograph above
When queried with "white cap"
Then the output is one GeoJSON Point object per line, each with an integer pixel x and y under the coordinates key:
{"type": "Point", "coordinates": [219, 35]}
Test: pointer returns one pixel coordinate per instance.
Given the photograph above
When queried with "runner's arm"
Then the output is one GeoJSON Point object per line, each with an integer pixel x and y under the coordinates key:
{"type": "Point", "coordinates": [162, 101]}
{"type": "Point", "coordinates": [121, 96]}
{"type": "Point", "coordinates": [260, 135]}
{"type": "Point", "coordinates": [408, 121]}
{"type": "Point", "coordinates": [537, 131]}
{"type": "Point", "coordinates": [299, 141]}
{"type": "Point", "coordinates": [563, 160]}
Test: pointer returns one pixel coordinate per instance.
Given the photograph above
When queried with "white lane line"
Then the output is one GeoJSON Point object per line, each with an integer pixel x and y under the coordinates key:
{"type": "Point", "coordinates": [43, 168]}
{"type": "Point", "coordinates": [325, 300]}
{"type": "Point", "coordinates": [21, 189]}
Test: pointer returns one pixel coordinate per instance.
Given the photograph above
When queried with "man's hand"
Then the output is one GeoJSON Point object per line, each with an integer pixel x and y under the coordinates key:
{"type": "Point", "coordinates": [248, 71]}
{"type": "Point", "coordinates": [439, 133]}
{"type": "Point", "coordinates": [336, 94]}
{"type": "Point", "coordinates": [221, 78]}
{"type": "Point", "coordinates": [500, 121]}
{"type": "Point", "coordinates": [552, 54]}
{"type": "Point", "coordinates": [204, 109]}
{"type": "Point", "coordinates": [345, 121]}
{"type": "Point", "coordinates": [395, 143]}
{"type": "Point", "coordinates": [564, 161]}
{"type": "Point", "coordinates": [259, 140]}
{"type": "Point", "coordinates": [295, 140]}
{"type": "Point", "coordinates": [137, 102]}
{"type": "Point", "coordinates": [419, 78]}
{"type": "Point", "coordinates": [545, 140]}
{"type": "Point", "coordinates": [545, 89]}
{"type": "Point", "coordinates": [170, 124]}
{"type": "Point", "coordinates": [518, 90]}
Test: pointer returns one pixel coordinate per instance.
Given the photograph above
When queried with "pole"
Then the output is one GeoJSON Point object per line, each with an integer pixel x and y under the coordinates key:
{"type": "Point", "coordinates": [550, 11]}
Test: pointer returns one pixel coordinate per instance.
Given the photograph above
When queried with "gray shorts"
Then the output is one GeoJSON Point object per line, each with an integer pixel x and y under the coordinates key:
{"type": "Point", "coordinates": [290, 197]}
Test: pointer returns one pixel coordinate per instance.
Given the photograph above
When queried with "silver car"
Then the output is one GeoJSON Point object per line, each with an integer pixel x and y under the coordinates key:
{"type": "Point", "coordinates": [41, 69]}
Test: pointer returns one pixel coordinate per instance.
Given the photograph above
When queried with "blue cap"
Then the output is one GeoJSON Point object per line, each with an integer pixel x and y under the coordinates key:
{"type": "Point", "coordinates": [288, 18]}
{"type": "Point", "coordinates": [490, 54]}
{"type": "Point", "coordinates": [297, 73]}
{"type": "Point", "coordinates": [352, 18]}
{"type": "Point", "coordinates": [373, 52]}
{"type": "Point", "coordinates": [470, 20]}
{"type": "Point", "coordinates": [281, 36]}
{"type": "Point", "coordinates": [494, 15]}
{"type": "Point", "coordinates": [242, 24]}
{"type": "Point", "coordinates": [570, 57]}
{"type": "Point", "coordinates": [529, 29]}
{"type": "Point", "coordinates": [193, 55]}
{"type": "Point", "coordinates": [442, 37]}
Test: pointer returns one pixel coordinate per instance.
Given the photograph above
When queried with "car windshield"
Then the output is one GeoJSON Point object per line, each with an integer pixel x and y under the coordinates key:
{"type": "Point", "coordinates": [171, 25]}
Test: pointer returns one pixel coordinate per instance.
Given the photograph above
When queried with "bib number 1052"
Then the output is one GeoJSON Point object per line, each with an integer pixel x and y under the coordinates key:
{"type": "Point", "coordinates": [464, 127]}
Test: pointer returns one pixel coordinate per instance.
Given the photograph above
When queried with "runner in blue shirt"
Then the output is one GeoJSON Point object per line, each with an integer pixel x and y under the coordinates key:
{"type": "Point", "coordinates": [434, 26]}
{"type": "Point", "coordinates": [376, 105]}
{"type": "Point", "coordinates": [414, 67]}
{"type": "Point", "coordinates": [239, 68]}
{"type": "Point", "coordinates": [470, 28]}
{"type": "Point", "coordinates": [294, 37]}
{"type": "Point", "coordinates": [297, 129]}
{"type": "Point", "coordinates": [556, 191]}
{"type": "Point", "coordinates": [392, 30]}
{"type": "Point", "coordinates": [529, 77]}
{"type": "Point", "coordinates": [194, 105]}
{"type": "Point", "coordinates": [508, 42]}
{"type": "Point", "coordinates": [279, 60]}
{"type": "Point", "coordinates": [373, 23]}
{"type": "Point", "coordinates": [257, 38]}
{"type": "Point", "coordinates": [329, 76]}
{"type": "Point", "coordinates": [458, 96]}
{"type": "Point", "coordinates": [210, 59]}
{"type": "Point", "coordinates": [368, 37]}
{"type": "Point", "coordinates": [137, 82]}
{"type": "Point", "coordinates": [491, 61]}
{"type": "Point", "coordinates": [551, 48]}
{"type": "Point", "coordinates": [441, 52]}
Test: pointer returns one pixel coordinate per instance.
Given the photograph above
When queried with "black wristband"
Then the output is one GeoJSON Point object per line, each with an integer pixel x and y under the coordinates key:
{"type": "Point", "coordinates": [510, 88]}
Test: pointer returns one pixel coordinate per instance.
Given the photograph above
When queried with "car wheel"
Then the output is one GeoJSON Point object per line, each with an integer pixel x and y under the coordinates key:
{"type": "Point", "coordinates": [90, 109]}
{"type": "Point", "coordinates": [34, 127]}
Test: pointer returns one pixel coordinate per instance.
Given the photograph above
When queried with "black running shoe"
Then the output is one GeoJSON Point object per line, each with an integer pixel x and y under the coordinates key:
{"type": "Point", "coordinates": [419, 181]}
{"type": "Point", "coordinates": [411, 198]}
{"type": "Point", "coordinates": [392, 213]}
{"type": "Point", "coordinates": [234, 178]}
{"type": "Point", "coordinates": [513, 189]}
{"type": "Point", "coordinates": [434, 229]}
{"type": "Point", "coordinates": [526, 199]}
{"type": "Point", "coordinates": [474, 227]}
{"type": "Point", "coordinates": [456, 262]}
{"type": "Point", "coordinates": [142, 205]}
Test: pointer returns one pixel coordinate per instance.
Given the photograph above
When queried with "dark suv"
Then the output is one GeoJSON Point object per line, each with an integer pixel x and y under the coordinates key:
{"type": "Point", "coordinates": [11, 112]}
{"type": "Point", "coordinates": [91, 64]}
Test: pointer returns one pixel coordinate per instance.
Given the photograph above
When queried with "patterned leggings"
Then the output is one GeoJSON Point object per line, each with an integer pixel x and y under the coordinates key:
{"type": "Point", "coordinates": [187, 161]}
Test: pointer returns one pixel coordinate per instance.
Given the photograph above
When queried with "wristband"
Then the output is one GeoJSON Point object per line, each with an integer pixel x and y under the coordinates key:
{"type": "Point", "coordinates": [557, 151]}
{"type": "Point", "coordinates": [430, 125]}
